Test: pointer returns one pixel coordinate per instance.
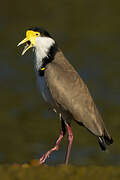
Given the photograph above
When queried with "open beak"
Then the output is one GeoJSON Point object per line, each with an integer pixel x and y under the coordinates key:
{"type": "Point", "coordinates": [29, 40]}
{"type": "Point", "coordinates": [28, 45]}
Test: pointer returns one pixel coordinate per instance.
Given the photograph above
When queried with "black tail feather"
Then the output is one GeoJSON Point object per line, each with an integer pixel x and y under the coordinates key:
{"type": "Point", "coordinates": [107, 138]}
{"type": "Point", "coordinates": [102, 143]}
{"type": "Point", "coordinates": [103, 140]}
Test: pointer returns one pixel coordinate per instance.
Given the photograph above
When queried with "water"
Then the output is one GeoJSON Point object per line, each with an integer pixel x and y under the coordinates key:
{"type": "Point", "coordinates": [88, 32]}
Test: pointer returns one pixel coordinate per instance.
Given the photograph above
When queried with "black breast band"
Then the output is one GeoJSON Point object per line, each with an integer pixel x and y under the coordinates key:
{"type": "Point", "coordinates": [51, 54]}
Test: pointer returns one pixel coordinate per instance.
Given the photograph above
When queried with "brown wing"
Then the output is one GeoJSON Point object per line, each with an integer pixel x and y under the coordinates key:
{"type": "Point", "coordinates": [69, 90]}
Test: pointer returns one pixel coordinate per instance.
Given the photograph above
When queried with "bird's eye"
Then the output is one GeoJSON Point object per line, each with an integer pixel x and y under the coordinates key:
{"type": "Point", "coordinates": [37, 34]}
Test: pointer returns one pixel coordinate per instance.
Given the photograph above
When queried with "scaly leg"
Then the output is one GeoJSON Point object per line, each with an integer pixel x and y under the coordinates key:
{"type": "Point", "coordinates": [70, 140]}
{"type": "Point", "coordinates": [56, 147]}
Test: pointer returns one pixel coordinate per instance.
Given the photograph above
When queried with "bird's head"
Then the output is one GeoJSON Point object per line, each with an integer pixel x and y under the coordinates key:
{"type": "Point", "coordinates": [37, 37]}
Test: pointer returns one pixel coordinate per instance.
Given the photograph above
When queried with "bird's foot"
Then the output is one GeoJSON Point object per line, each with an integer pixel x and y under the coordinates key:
{"type": "Point", "coordinates": [55, 148]}
{"type": "Point", "coordinates": [46, 155]}
{"type": "Point", "coordinates": [43, 158]}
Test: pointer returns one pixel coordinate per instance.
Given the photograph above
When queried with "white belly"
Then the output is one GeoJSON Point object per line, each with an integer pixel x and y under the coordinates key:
{"type": "Point", "coordinates": [44, 89]}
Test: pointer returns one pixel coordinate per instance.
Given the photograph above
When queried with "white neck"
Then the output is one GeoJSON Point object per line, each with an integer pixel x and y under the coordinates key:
{"type": "Point", "coordinates": [42, 47]}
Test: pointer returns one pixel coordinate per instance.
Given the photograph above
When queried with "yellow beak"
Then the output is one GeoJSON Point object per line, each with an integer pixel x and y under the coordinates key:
{"type": "Point", "coordinates": [30, 40]}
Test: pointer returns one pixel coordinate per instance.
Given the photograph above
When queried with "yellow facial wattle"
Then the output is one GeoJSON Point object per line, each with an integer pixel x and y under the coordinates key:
{"type": "Point", "coordinates": [30, 37]}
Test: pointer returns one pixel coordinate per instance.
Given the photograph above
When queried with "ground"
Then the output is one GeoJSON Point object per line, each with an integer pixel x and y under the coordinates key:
{"type": "Point", "coordinates": [33, 171]}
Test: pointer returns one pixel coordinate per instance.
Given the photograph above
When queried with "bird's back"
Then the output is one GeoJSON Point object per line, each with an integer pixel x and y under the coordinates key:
{"type": "Point", "coordinates": [71, 94]}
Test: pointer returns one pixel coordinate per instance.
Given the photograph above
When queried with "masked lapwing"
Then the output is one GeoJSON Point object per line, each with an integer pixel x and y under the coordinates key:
{"type": "Point", "coordinates": [64, 90]}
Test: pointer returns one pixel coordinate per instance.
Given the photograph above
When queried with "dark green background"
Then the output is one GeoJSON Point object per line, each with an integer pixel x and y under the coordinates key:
{"type": "Point", "coordinates": [88, 32]}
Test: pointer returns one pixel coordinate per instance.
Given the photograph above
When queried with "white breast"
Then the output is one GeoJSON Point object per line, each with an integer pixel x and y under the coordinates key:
{"type": "Point", "coordinates": [41, 49]}
{"type": "Point", "coordinates": [44, 89]}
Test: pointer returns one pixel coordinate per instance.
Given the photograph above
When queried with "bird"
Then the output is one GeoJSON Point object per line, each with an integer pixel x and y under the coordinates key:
{"type": "Point", "coordinates": [63, 90]}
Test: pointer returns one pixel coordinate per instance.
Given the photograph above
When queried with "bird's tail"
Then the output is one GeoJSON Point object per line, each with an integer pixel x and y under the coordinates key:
{"type": "Point", "coordinates": [105, 139]}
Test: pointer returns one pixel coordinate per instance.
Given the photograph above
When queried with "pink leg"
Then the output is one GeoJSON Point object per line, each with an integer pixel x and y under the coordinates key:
{"type": "Point", "coordinates": [56, 147]}
{"type": "Point", "coordinates": [70, 140]}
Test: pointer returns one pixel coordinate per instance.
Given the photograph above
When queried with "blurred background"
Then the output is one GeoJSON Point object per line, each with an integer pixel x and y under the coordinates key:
{"type": "Point", "coordinates": [88, 32]}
